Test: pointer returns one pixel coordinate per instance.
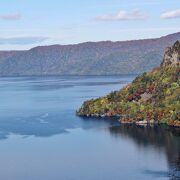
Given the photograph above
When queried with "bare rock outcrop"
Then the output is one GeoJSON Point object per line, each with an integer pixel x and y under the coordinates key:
{"type": "Point", "coordinates": [172, 55]}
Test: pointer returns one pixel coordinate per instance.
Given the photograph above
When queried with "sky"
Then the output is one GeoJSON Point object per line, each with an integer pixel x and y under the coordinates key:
{"type": "Point", "coordinates": [28, 23]}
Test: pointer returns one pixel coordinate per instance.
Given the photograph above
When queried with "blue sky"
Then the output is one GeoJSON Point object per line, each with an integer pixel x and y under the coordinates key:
{"type": "Point", "coordinates": [28, 23]}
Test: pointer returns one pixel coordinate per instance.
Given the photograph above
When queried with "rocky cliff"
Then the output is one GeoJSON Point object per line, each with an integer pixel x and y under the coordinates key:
{"type": "Point", "coordinates": [172, 55]}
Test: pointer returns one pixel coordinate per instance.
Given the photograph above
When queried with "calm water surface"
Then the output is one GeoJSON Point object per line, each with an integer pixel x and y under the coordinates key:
{"type": "Point", "coordinates": [42, 139]}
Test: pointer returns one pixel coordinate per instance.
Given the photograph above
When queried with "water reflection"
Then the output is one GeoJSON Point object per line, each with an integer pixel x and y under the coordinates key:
{"type": "Point", "coordinates": [161, 138]}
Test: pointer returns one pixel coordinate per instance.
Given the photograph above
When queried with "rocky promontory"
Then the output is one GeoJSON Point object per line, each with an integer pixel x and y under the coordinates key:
{"type": "Point", "coordinates": [153, 97]}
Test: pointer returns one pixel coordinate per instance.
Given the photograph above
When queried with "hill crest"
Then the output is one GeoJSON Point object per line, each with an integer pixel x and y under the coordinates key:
{"type": "Point", "coordinates": [90, 58]}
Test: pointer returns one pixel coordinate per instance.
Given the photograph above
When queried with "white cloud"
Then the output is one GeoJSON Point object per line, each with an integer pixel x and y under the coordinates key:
{"type": "Point", "coordinates": [122, 16]}
{"type": "Point", "coordinates": [22, 40]}
{"type": "Point", "coordinates": [11, 17]}
{"type": "Point", "coordinates": [171, 14]}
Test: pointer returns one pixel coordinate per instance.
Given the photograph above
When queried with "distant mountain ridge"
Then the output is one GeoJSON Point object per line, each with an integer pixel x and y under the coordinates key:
{"type": "Point", "coordinates": [90, 58]}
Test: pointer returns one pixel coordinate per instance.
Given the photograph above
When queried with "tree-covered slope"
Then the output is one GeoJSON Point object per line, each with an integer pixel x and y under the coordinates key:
{"type": "Point", "coordinates": [90, 58]}
{"type": "Point", "coordinates": [153, 97]}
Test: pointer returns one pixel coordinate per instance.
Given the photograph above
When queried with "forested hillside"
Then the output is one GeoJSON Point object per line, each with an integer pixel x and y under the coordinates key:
{"type": "Point", "coordinates": [90, 58]}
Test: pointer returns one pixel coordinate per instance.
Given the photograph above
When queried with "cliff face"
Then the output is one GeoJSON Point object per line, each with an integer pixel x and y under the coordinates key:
{"type": "Point", "coordinates": [153, 97]}
{"type": "Point", "coordinates": [90, 58]}
{"type": "Point", "coordinates": [172, 55]}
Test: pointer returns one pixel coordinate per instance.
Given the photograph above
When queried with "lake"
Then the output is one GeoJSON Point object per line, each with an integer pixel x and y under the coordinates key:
{"type": "Point", "coordinates": [41, 138]}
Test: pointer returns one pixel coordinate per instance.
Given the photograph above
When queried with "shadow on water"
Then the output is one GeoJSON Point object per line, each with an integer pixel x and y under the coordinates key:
{"type": "Point", "coordinates": [47, 125]}
{"type": "Point", "coordinates": [29, 127]}
{"type": "Point", "coordinates": [161, 138]}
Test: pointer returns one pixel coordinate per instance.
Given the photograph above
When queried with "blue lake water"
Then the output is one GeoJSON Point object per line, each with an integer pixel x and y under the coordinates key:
{"type": "Point", "coordinates": [41, 138]}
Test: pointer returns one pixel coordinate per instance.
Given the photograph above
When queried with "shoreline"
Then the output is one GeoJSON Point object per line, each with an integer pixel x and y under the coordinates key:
{"type": "Point", "coordinates": [118, 119]}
